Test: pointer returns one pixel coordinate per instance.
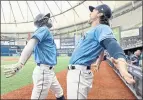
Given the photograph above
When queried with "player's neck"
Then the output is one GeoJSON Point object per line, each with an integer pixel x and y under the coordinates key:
{"type": "Point", "coordinates": [95, 23]}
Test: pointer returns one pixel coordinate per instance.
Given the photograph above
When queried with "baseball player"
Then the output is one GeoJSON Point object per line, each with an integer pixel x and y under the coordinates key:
{"type": "Point", "coordinates": [42, 43]}
{"type": "Point", "coordinates": [97, 39]}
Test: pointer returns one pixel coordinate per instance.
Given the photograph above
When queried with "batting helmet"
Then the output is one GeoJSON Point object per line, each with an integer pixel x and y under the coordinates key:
{"type": "Point", "coordinates": [42, 19]}
{"type": "Point", "coordinates": [105, 9]}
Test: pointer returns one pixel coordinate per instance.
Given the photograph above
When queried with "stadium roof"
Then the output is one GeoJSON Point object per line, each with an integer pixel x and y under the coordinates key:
{"type": "Point", "coordinates": [17, 16]}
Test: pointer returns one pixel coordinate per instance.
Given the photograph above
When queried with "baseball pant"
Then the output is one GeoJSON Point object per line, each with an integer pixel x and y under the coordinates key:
{"type": "Point", "coordinates": [79, 82]}
{"type": "Point", "coordinates": [43, 80]}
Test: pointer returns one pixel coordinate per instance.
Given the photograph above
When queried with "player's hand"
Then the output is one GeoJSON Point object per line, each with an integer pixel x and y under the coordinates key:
{"type": "Point", "coordinates": [10, 70]}
{"type": "Point", "coordinates": [95, 66]}
{"type": "Point", "coordinates": [121, 65]}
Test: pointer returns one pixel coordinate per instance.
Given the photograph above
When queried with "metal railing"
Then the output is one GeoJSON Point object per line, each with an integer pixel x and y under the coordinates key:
{"type": "Point", "coordinates": [136, 72]}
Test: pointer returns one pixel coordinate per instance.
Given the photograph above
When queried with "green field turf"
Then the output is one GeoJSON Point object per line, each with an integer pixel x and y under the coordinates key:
{"type": "Point", "coordinates": [24, 77]}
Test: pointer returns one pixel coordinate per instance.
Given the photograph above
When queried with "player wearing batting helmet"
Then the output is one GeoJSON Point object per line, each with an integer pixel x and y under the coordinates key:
{"type": "Point", "coordinates": [95, 41]}
{"type": "Point", "coordinates": [45, 55]}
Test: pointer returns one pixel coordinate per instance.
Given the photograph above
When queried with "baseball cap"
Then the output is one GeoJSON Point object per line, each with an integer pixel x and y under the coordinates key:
{"type": "Point", "coordinates": [41, 16]}
{"type": "Point", "coordinates": [105, 9]}
{"type": "Point", "coordinates": [47, 15]}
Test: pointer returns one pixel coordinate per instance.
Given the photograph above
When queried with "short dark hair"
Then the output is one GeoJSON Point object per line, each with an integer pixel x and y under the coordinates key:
{"type": "Point", "coordinates": [104, 20]}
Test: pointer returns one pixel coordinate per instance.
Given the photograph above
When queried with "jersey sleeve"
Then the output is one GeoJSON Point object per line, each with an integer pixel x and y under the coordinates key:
{"type": "Point", "coordinates": [41, 34]}
{"type": "Point", "coordinates": [103, 32]}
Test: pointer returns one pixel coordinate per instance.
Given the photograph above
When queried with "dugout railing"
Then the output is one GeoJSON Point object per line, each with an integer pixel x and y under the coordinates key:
{"type": "Point", "coordinates": [137, 72]}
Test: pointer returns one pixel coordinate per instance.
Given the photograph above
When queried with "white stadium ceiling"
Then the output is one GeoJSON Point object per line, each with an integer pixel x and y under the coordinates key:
{"type": "Point", "coordinates": [17, 16]}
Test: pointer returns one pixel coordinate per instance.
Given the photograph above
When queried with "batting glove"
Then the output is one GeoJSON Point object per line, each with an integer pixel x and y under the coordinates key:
{"type": "Point", "coordinates": [10, 70]}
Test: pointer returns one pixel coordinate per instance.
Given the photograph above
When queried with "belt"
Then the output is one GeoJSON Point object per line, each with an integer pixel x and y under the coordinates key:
{"type": "Point", "coordinates": [50, 67]}
{"type": "Point", "coordinates": [81, 67]}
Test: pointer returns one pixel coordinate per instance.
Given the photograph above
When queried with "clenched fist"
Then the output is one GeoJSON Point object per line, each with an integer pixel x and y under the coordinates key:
{"type": "Point", "coordinates": [95, 66]}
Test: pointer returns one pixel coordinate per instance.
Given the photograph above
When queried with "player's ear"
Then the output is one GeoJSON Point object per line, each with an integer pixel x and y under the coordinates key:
{"type": "Point", "coordinates": [100, 14]}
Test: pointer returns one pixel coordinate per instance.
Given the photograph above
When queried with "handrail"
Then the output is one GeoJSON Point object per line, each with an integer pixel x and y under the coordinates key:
{"type": "Point", "coordinates": [134, 70]}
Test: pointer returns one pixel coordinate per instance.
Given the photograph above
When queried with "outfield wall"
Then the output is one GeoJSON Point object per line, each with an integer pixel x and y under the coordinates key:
{"type": "Point", "coordinates": [128, 39]}
{"type": "Point", "coordinates": [11, 50]}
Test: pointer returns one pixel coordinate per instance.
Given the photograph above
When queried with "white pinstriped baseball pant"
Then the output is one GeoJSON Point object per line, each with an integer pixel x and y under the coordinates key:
{"type": "Point", "coordinates": [79, 82]}
{"type": "Point", "coordinates": [43, 80]}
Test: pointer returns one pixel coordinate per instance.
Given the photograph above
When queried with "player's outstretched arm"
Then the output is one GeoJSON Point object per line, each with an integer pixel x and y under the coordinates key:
{"type": "Point", "coordinates": [97, 63]}
{"type": "Point", "coordinates": [11, 70]}
{"type": "Point", "coordinates": [101, 57]}
{"type": "Point", "coordinates": [119, 58]}
{"type": "Point", "coordinates": [27, 51]}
